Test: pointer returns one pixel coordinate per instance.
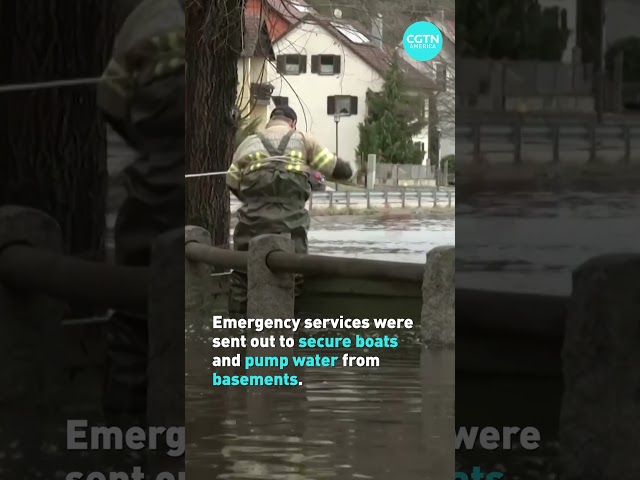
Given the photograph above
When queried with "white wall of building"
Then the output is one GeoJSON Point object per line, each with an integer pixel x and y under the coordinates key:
{"type": "Point", "coordinates": [307, 93]}
{"type": "Point", "coordinates": [253, 70]}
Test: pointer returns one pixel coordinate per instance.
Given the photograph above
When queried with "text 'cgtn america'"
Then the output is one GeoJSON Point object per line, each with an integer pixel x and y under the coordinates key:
{"type": "Point", "coordinates": [430, 41]}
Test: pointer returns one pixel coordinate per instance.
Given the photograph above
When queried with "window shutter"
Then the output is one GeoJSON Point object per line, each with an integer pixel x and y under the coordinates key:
{"type": "Point", "coordinates": [331, 105]}
{"type": "Point", "coordinates": [354, 106]}
{"type": "Point", "coordinates": [302, 59]}
{"type": "Point", "coordinates": [336, 64]}
{"type": "Point", "coordinates": [281, 63]}
{"type": "Point", "coordinates": [315, 63]}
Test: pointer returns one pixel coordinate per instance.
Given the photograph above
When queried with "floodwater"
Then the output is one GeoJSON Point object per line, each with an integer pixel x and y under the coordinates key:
{"type": "Point", "coordinates": [341, 423]}
{"type": "Point", "coordinates": [368, 423]}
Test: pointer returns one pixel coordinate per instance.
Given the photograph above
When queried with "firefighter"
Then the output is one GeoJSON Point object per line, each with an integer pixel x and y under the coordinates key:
{"type": "Point", "coordinates": [142, 97]}
{"type": "Point", "coordinates": [269, 175]}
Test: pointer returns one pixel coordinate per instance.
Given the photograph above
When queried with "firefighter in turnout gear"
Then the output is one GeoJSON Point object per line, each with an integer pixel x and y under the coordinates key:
{"type": "Point", "coordinates": [142, 97]}
{"type": "Point", "coordinates": [269, 175]}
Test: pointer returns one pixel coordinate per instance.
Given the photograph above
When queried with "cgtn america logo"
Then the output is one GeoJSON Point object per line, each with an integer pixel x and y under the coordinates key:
{"type": "Point", "coordinates": [422, 41]}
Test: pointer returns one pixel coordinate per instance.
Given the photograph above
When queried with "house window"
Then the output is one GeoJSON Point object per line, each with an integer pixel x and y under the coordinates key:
{"type": "Point", "coordinates": [325, 64]}
{"type": "Point", "coordinates": [419, 146]}
{"type": "Point", "coordinates": [342, 104]}
{"type": "Point", "coordinates": [291, 64]}
{"type": "Point", "coordinates": [280, 101]}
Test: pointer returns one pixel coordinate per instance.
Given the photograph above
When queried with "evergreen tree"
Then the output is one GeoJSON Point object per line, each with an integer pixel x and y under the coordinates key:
{"type": "Point", "coordinates": [394, 117]}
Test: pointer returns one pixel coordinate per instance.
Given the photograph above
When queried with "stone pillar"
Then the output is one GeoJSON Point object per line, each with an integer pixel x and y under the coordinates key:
{"type": "Point", "coordinates": [270, 295]}
{"type": "Point", "coordinates": [166, 370]}
{"type": "Point", "coordinates": [599, 434]}
{"type": "Point", "coordinates": [438, 362]}
{"type": "Point", "coordinates": [197, 280]}
{"type": "Point", "coordinates": [31, 351]}
{"type": "Point", "coordinates": [371, 171]}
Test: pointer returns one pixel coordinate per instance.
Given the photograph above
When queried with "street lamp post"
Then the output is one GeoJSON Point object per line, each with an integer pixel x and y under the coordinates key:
{"type": "Point", "coordinates": [336, 119]}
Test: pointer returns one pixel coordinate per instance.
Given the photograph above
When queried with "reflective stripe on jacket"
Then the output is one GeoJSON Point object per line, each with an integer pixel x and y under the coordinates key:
{"type": "Point", "coordinates": [149, 46]}
{"type": "Point", "coordinates": [300, 154]}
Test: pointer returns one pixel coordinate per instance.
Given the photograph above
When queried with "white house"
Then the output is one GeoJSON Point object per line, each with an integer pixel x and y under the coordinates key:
{"type": "Point", "coordinates": [324, 68]}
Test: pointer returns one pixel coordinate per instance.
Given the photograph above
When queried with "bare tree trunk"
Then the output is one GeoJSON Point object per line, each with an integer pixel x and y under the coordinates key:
{"type": "Point", "coordinates": [213, 46]}
{"type": "Point", "coordinates": [53, 148]}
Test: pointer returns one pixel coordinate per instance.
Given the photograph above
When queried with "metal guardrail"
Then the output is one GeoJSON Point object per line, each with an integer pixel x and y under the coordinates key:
{"type": "Point", "coordinates": [373, 198]}
{"type": "Point", "coordinates": [318, 265]}
{"type": "Point", "coordinates": [556, 136]}
{"type": "Point", "coordinates": [32, 269]}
